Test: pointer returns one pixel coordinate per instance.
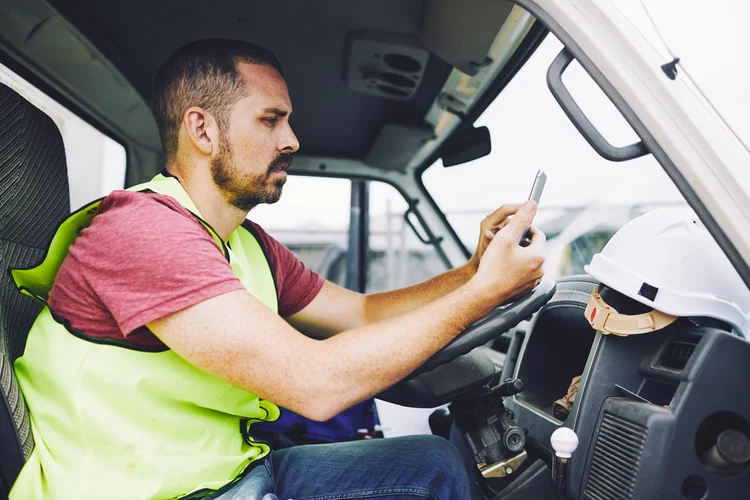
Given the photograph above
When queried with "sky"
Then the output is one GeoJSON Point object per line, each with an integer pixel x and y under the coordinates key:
{"type": "Point", "coordinates": [711, 39]}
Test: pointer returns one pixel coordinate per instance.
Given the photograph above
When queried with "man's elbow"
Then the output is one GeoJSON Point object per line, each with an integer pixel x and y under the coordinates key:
{"type": "Point", "coordinates": [320, 410]}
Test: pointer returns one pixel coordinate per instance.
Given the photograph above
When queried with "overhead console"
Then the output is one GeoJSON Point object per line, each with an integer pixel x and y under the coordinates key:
{"type": "Point", "coordinates": [392, 65]}
{"type": "Point", "coordinates": [476, 38]}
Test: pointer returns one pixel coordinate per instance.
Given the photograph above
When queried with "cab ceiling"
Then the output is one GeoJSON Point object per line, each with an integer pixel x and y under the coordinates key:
{"type": "Point", "coordinates": [308, 37]}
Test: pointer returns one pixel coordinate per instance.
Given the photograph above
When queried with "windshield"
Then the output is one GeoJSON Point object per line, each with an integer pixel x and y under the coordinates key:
{"type": "Point", "coordinates": [708, 47]}
{"type": "Point", "coordinates": [586, 198]}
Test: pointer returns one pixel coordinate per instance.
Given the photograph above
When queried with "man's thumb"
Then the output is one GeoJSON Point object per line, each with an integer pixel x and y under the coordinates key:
{"type": "Point", "coordinates": [522, 219]}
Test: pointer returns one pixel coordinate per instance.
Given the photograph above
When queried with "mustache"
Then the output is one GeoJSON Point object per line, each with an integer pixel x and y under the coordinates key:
{"type": "Point", "coordinates": [282, 162]}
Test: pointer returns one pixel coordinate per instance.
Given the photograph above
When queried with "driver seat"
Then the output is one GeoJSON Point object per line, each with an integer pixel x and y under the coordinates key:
{"type": "Point", "coordinates": [34, 199]}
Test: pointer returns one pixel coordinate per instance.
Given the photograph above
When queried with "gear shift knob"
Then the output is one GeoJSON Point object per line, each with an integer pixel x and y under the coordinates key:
{"type": "Point", "coordinates": [564, 441]}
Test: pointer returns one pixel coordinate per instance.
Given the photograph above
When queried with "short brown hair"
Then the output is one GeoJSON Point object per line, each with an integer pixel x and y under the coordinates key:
{"type": "Point", "coordinates": [202, 73]}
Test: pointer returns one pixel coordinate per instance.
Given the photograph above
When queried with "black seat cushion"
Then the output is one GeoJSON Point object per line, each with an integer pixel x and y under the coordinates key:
{"type": "Point", "coordinates": [34, 199]}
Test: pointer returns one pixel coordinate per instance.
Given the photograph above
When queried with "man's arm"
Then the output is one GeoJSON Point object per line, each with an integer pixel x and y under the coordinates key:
{"type": "Point", "coordinates": [236, 338]}
{"type": "Point", "coordinates": [354, 310]}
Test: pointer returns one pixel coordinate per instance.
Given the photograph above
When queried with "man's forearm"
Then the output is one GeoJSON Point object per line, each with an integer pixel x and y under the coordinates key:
{"type": "Point", "coordinates": [357, 364]}
{"type": "Point", "coordinates": [384, 305]}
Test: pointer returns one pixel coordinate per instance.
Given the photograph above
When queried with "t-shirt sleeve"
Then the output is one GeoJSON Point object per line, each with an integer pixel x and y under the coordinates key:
{"type": "Point", "coordinates": [297, 285]}
{"type": "Point", "coordinates": [148, 258]}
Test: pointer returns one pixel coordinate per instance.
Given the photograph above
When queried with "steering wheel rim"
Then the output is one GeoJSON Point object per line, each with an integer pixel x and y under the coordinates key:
{"type": "Point", "coordinates": [494, 324]}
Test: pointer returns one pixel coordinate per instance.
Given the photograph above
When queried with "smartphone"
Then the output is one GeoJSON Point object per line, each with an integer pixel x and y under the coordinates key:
{"type": "Point", "coordinates": [535, 195]}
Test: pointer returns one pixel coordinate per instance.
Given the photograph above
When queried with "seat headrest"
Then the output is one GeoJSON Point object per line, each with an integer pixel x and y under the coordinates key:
{"type": "Point", "coordinates": [34, 194]}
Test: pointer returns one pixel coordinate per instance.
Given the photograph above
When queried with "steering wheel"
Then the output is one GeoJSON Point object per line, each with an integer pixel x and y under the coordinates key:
{"type": "Point", "coordinates": [457, 368]}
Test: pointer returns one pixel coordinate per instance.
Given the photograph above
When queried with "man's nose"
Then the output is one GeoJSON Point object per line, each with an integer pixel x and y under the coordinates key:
{"type": "Point", "coordinates": [288, 142]}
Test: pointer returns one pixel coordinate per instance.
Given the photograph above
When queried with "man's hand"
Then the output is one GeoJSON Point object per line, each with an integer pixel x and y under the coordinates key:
{"type": "Point", "coordinates": [488, 227]}
{"type": "Point", "coordinates": [508, 269]}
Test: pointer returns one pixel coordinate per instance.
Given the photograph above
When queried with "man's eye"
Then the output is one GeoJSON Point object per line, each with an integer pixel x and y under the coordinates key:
{"type": "Point", "coordinates": [271, 121]}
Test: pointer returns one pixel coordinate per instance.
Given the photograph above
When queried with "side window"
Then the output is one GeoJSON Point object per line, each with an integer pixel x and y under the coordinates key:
{"type": "Point", "coordinates": [586, 198]}
{"type": "Point", "coordinates": [96, 163]}
{"type": "Point", "coordinates": [396, 257]}
{"type": "Point", "coordinates": [312, 220]}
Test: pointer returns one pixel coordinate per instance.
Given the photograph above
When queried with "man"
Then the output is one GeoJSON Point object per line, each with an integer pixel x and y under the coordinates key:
{"type": "Point", "coordinates": [173, 322]}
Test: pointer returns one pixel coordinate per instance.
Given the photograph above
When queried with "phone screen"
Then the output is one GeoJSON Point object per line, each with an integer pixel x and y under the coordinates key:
{"type": "Point", "coordinates": [535, 195]}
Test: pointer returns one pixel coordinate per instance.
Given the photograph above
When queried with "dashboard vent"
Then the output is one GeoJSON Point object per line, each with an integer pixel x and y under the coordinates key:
{"type": "Point", "coordinates": [617, 456]}
{"type": "Point", "coordinates": [676, 355]}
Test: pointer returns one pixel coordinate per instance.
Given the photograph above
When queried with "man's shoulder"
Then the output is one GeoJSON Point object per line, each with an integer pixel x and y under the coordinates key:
{"type": "Point", "coordinates": [132, 215]}
{"type": "Point", "coordinates": [131, 202]}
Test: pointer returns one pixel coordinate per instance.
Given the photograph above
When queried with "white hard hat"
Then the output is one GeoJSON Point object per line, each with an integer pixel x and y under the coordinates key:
{"type": "Point", "coordinates": [667, 260]}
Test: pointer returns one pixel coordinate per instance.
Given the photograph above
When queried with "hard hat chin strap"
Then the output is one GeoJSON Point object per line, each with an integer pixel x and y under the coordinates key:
{"type": "Point", "coordinates": [607, 320]}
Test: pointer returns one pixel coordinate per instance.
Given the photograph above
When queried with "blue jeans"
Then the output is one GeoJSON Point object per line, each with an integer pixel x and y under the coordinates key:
{"type": "Point", "coordinates": [409, 467]}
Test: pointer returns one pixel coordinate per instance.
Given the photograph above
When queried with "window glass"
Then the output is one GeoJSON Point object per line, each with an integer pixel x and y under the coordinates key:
{"type": "Point", "coordinates": [96, 163]}
{"type": "Point", "coordinates": [396, 257]}
{"type": "Point", "coordinates": [312, 220]}
{"type": "Point", "coordinates": [586, 198]}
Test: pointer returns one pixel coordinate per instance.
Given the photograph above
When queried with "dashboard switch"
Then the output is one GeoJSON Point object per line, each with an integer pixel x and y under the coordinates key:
{"type": "Point", "coordinates": [510, 387]}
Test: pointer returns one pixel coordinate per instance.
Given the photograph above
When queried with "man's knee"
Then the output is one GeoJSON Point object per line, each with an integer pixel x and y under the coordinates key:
{"type": "Point", "coordinates": [435, 450]}
{"type": "Point", "coordinates": [441, 457]}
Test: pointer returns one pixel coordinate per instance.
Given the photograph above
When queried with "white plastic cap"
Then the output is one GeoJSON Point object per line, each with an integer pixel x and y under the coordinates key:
{"type": "Point", "coordinates": [667, 260]}
{"type": "Point", "coordinates": [564, 441]}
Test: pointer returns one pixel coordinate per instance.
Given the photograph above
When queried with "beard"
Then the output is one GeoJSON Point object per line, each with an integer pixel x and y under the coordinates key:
{"type": "Point", "coordinates": [245, 191]}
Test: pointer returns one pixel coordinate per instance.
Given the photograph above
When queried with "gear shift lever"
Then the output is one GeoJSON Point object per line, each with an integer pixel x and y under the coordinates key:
{"type": "Point", "coordinates": [564, 441]}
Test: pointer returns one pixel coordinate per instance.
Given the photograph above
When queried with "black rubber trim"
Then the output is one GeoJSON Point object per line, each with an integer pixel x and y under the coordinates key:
{"type": "Point", "coordinates": [530, 43]}
{"type": "Point", "coordinates": [579, 119]}
{"type": "Point", "coordinates": [648, 140]}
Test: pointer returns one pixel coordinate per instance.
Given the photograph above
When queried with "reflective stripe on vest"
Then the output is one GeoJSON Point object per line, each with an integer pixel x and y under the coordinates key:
{"type": "Point", "coordinates": [111, 420]}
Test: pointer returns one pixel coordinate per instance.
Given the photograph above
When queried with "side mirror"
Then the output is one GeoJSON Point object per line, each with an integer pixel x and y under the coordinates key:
{"type": "Point", "coordinates": [465, 145]}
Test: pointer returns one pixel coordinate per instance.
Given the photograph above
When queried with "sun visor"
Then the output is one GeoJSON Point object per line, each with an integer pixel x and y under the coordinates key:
{"type": "Point", "coordinates": [461, 32]}
{"type": "Point", "coordinates": [396, 145]}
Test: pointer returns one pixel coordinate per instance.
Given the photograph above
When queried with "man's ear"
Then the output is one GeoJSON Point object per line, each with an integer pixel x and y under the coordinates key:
{"type": "Point", "coordinates": [201, 129]}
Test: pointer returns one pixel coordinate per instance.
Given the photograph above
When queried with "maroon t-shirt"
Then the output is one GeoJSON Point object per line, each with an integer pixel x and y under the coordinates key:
{"type": "Point", "coordinates": [145, 257]}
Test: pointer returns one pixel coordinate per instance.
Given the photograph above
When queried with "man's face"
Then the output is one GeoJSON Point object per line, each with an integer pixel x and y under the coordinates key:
{"type": "Point", "coordinates": [256, 150]}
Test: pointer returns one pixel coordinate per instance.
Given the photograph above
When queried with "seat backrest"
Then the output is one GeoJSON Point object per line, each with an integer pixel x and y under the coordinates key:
{"type": "Point", "coordinates": [34, 199]}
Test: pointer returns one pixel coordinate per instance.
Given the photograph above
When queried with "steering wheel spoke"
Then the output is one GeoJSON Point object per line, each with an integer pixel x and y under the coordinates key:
{"type": "Point", "coordinates": [420, 390]}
